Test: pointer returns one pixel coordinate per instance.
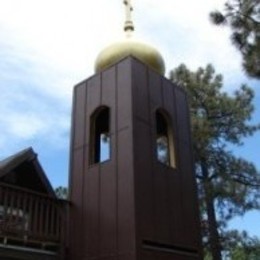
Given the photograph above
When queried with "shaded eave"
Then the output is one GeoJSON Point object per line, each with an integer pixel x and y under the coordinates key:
{"type": "Point", "coordinates": [27, 155]}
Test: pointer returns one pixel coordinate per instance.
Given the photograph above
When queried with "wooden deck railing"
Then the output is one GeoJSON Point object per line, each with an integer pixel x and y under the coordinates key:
{"type": "Point", "coordinates": [30, 216]}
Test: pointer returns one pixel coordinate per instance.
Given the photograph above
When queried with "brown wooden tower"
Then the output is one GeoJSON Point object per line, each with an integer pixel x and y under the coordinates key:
{"type": "Point", "coordinates": [132, 183]}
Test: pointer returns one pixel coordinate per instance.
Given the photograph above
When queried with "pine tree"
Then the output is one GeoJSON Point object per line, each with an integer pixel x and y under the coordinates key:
{"type": "Point", "coordinates": [243, 17]}
{"type": "Point", "coordinates": [228, 186]}
{"type": "Point", "coordinates": [240, 246]}
{"type": "Point", "coordinates": [61, 192]}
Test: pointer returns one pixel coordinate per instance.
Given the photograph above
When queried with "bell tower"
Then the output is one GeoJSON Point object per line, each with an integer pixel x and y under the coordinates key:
{"type": "Point", "coordinates": [132, 184]}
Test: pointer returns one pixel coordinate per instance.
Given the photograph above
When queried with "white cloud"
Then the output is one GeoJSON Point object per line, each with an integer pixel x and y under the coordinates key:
{"type": "Point", "coordinates": [30, 119]}
{"type": "Point", "coordinates": [30, 106]}
{"type": "Point", "coordinates": [24, 126]}
{"type": "Point", "coordinates": [29, 125]}
{"type": "Point", "coordinates": [69, 34]}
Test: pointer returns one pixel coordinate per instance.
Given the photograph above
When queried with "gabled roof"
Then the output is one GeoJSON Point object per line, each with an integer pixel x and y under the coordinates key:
{"type": "Point", "coordinates": [13, 161]}
{"type": "Point", "coordinates": [27, 164]}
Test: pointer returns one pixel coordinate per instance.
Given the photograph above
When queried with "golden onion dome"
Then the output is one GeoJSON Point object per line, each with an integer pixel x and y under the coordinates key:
{"type": "Point", "coordinates": [119, 50]}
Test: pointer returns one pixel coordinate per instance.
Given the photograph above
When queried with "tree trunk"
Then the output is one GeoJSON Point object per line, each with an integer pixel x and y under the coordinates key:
{"type": "Point", "coordinates": [214, 241]}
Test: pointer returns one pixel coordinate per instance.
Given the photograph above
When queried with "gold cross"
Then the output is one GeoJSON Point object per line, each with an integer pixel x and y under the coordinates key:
{"type": "Point", "coordinates": [129, 26]}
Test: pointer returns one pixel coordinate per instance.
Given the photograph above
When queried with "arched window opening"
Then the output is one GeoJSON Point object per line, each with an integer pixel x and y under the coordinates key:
{"type": "Point", "coordinates": [164, 140]}
{"type": "Point", "coordinates": [100, 137]}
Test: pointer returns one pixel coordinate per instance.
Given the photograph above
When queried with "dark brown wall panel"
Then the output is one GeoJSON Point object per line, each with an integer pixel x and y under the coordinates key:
{"type": "Point", "coordinates": [109, 93]}
{"type": "Point", "coordinates": [189, 194]}
{"type": "Point", "coordinates": [126, 206]}
{"type": "Point", "coordinates": [182, 115]}
{"type": "Point", "coordinates": [189, 198]}
{"type": "Point", "coordinates": [168, 98]}
{"type": "Point", "coordinates": [144, 186]}
{"type": "Point", "coordinates": [91, 180]}
{"type": "Point", "coordinates": [174, 177]}
{"type": "Point", "coordinates": [130, 256]}
{"type": "Point", "coordinates": [79, 115]}
{"type": "Point", "coordinates": [108, 209]}
{"type": "Point", "coordinates": [152, 254]}
{"type": "Point", "coordinates": [108, 172]}
{"type": "Point", "coordinates": [175, 207]}
{"type": "Point", "coordinates": [140, 91]}
{"type": "Point", "coordinates": [93, 93]}
{"type": "Point", "coordinates": [146, 255]}
{"type": "Point", "coordinates": [124, 94]}
{"type": "Point", "coordinates": [124, 161]}
{"type": "Point", "coordinates": [161, 204]}
{"type": "Point", "coordinates": [155, 90]}
{"type": "Point", "coordinates": [91, 227]}
{"type": "Point", "coordinates": [169, 104]}
{"type": "Point", "coordinates": [76, 196]}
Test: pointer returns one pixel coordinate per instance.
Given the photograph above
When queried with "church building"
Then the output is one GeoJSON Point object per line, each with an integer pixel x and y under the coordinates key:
{"type": "Point", "coordinates": [132, 186]}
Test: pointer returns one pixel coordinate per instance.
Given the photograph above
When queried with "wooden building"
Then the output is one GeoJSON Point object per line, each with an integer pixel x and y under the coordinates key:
{"type": "Point", "coordinates": [32, 219]}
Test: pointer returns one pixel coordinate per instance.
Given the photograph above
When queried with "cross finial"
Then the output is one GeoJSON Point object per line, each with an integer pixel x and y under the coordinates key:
{"type": "Point", "coordinates": [129, 26]}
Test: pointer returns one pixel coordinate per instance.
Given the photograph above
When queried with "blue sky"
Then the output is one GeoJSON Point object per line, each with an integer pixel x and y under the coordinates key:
{"type": "Point", "coordinates": [46, 47]}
